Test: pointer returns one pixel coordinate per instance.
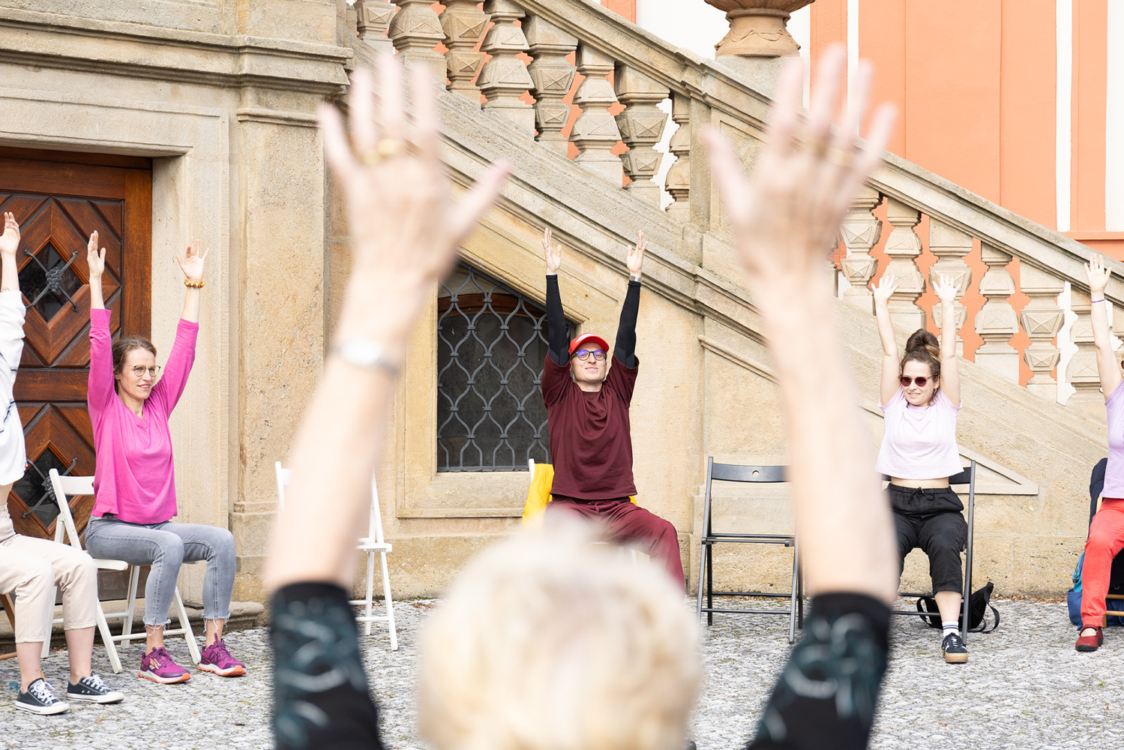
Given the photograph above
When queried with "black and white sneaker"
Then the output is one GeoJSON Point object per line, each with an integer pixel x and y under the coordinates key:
{"type": "Point", "coordinates": [954, 650]}
{"type": "Point", "coordinates": [93, 690]}
{"type": "Point", "coordinates": [40, 700]}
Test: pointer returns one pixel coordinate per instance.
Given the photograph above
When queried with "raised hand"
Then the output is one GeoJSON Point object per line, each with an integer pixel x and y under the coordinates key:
{"type": "Point", "coordinates": [635, 257]}
{"type": "Point", "coordinates": [1098, 275]}
{"type": "Point", "coordinates": [885, 289]}
{"type": "Point", "coordinates": [10, 240]}
{"type": "Point", "coordinates": [946, 288]}
{"type": "Point", "coordinates": [94, 259]}
{"type": "Point", "coordinates": [553, 254]}
{"type": "Point", "coordinates": [191, 262]}
{"type": "Point", "coordinates": [786, 218]}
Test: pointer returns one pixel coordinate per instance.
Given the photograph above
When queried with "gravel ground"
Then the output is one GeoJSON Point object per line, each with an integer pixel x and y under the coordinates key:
{"type": "Point", "coordinates": [1024, 687]}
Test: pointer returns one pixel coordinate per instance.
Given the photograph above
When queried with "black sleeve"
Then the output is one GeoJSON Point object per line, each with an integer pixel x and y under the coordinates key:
{"type": "Point", "coordinates": [320, 695]}
{"type": "Point", "coordinates": [827, 693]}
{"type": "Point", "coordinates": [558, 340]}
{"type": "Point", "coordinates": [625, 349]}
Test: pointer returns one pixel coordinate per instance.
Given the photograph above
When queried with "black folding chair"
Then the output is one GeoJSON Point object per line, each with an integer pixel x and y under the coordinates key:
{"type": "Point", "coordinates": [753, 475]}
{"type": "Point", "coordinates": [968, 477]}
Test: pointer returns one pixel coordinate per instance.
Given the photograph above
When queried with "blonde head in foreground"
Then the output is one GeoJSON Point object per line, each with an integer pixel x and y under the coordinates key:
{"type": "Point", "coordinates": [555, 644]}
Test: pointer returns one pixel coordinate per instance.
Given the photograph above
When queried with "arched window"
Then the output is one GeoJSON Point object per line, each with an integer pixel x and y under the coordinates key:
{"type": "Point", "coordinates": [491, 344]}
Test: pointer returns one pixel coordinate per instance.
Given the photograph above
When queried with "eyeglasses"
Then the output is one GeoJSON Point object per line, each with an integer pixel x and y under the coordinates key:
{"type": "Point", "coordinates": [140, 370]}
{"type": "Point", "coordinates": [921, 381]}
{"type": "Point", "coordinates": [583, 354]}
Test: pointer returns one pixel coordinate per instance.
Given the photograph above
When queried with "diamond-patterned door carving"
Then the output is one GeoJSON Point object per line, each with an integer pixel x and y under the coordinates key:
{"type": "Point", "coordinates": [59, 199]}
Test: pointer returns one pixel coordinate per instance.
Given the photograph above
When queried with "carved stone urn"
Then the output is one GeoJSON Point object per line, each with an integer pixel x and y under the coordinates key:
{"type": "Point", "coordinates": [757, 28]}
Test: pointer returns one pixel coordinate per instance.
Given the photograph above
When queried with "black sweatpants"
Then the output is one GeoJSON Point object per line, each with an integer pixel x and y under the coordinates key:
{"type": "Point", "coordinates": [931, 519]}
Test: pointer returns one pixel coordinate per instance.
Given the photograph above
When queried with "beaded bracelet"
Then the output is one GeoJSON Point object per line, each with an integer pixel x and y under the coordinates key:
{"type": "Point", "coordinates": [193, 285]}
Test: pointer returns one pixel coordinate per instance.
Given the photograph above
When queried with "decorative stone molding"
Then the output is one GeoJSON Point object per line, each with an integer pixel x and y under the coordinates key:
{"type": "Point", "coordinates": [678, 180]}
{"type": "Point", "coordinates": [758, 28]}
{"type": "Point", "coordinates": [950, 245]}
{"type": "Point", "coordinates": [505, 79]}
{"type": "Point", "coordinates": [551, 76]}
{"type": "Point", "coordinates": [903, 246]}
{"type": "Point", "coordinates": [1041, 318]}
{"type": "Point", "coordinates": [641, 125]}
{"type": "Point", "coordinates": [861, 231]}
{"type": "Point", "coordinates": [415, 30]}
{"type": "Point", "coordinates": [464, 24]}
{"type": "Point", "coordinates": [595, 133]}
{"type": "Point", "coordinates": [996, 322]}
{"type": "Point", "coordinates": [1082, 371]}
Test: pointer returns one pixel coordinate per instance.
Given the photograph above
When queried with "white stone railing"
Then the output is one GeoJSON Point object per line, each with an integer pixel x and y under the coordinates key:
{"type": "Point", "coordinates": [514, 58]}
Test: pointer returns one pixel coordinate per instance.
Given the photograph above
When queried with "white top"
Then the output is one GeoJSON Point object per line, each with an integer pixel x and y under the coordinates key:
{"type": "Point", "coordinates": [13, 454]}
{"type": "Point", "coordinates": [1114, 474]}
{"type": "Point", "coordinates": [919, 442]}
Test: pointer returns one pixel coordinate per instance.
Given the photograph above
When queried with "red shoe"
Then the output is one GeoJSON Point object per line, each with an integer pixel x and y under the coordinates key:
{"type": "Point", "coordinates": [1090, 642]}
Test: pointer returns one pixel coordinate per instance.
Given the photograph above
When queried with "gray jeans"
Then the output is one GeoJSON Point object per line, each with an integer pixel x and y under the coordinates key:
{"type": "Point", "coordinates": [166, 546]}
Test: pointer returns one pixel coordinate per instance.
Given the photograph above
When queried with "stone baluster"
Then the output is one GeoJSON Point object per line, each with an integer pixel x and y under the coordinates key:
{"type": "Point", "coordinates": [1042, 318]}
{"type": "Point", "coordinates": [903, 246]}
{"type": "Point", "coordinates": [1082, 370]}
{"type": "Point", "coordinates": [464, 24]}
{"type": "Point", "coordinates": [996, 322]}
{"type": "Point", "coordinates": [505, 79]}
{"type": "Point", "coordinates": [861, 231]}
{"type": "Point", "coordinates": [758, 28]}
{"type": "Point", "coordinates": [678, 180]}
{"type": "Point", "coordinates": [595, 133]}
{"type": "Point", "coordinates": [641, 125]}
{"type": "Point", "coordinates": [950, 245]}
{"type": "Point", "coordinates": [372, 20]}
{"type": "Point", "coordinates": [415, 30]}
{"type": "Point", "coordinates": [551, 76]}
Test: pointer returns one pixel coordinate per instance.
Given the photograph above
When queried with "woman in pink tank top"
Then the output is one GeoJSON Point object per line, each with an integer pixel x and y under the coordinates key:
{"type": "Point", "coordinates": [1106, 532]}
{"type": "Point", "coordinates": [920, 398]}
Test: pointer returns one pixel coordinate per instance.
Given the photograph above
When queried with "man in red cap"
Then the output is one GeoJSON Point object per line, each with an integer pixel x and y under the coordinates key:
{"type": "Point", "coordinates": [587, 405]}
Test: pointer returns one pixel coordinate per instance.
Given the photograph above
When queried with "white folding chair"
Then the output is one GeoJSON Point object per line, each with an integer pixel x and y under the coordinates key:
{"type": "Point", "coordinates": [372, 544]}
{"type": "Point", "coordinates": [69, 487]}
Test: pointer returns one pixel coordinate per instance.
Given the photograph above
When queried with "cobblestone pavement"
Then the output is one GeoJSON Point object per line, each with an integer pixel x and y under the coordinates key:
{"type": "Point", "coordinates": [1024, 687]}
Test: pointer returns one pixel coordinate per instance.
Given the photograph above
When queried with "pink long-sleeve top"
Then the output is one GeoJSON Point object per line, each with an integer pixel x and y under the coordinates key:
{"type": "Point", "coordinates": [135, 479]}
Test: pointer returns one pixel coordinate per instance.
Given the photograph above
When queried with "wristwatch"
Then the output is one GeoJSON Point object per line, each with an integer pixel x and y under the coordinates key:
{"type": "Point", "coordinates": [365, 353]}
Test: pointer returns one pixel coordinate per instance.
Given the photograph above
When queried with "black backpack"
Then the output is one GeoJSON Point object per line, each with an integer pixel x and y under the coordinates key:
{"type": "Point", "coordinates": [978, 605]}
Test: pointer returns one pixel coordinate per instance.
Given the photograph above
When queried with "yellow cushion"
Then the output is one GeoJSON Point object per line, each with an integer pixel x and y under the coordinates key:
{"type": "Point", "coordinates": [538, 496]}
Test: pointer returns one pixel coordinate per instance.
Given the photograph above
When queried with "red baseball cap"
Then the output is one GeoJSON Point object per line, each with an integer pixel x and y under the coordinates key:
{"type": "Point", "coordinates": [588, 337]}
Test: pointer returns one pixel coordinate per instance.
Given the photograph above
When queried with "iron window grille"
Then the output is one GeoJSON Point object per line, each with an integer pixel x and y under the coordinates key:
{"type": "Point", "coordinates": [491, 345]}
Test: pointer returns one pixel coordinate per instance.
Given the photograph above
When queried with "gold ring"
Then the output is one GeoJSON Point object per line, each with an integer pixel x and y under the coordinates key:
{"type": "Point", "coordinates": [386, 148]}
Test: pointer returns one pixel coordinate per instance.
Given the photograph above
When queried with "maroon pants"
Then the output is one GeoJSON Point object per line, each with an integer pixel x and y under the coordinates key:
{"type": "Point", "coordinates": [628, 525]}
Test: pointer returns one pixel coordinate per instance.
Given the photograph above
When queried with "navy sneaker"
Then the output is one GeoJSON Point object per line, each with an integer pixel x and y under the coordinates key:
{"type": "Point", "coordinates": [92, 690]}
{"type": "Point", "coordinates": [954, 650]}
{"type": "Point", "coordinates": [40, 700]}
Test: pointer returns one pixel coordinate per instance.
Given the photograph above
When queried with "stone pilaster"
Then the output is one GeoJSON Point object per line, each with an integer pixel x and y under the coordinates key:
{"type": "Point", "coordinates": [996, 322]}
{"type": "Point", "coordinates": [552, 76]}
{"type": "Point", "coordinates": [641, 125]}
{"type": "Point", "coordinates": [678, 180]}
{"type": "Point", "coordinates": [595, 132]}
{"type": "Point", "coordinates": [415, 30]}
{"type": "Point", "coordinates": [505, 79]}
{"type": "Point", "coordinates": [1041, 318]}
{"type": "Point", "coordinates": [903, 246]}
{"type": "Point", "coordinates": [1082, 371]}
{"type": "Point", "coordinates": [861, 231]}
{"type": "Point", "coordinates": [464, 24]}
{"type": "Point", "coordinates": [950, 245]}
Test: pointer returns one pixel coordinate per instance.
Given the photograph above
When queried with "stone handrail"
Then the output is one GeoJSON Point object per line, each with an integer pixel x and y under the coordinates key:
{"type": "Point", "coordinates": [515, 56]}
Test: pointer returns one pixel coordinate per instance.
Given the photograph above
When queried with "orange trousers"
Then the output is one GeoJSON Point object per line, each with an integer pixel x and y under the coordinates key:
{"type": "Point", "coordinates": [1106, 538]}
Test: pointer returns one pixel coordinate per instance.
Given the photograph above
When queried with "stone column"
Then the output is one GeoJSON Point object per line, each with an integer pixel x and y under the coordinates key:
{"type": "Point", "coordinates": [861, 231]}
{"type": "Point", "coordinates": [1041, 318]}
{"type": "Point", "coordinates": [950, 245]}
{"type": "Point", "coordinates": [641, 125]}
{"type": "Point", "coordinates": [996, 322]}
{"type": "Point", "coordinates": [903, 246]}
{"type": "Point", "coordinates": [595, 132]}
{"type": "Point", "coordinates": [551, 76]}
{"type": "Point", "coordinates": [678, 180]}
{"type": "Point", "coordinates": [464, 24]}
{"type": "Point", "coordinates": [415, 30]}
{"type": "Point", "coordinates": [504, 78]}
{"type": "Point", "coordinates": [1082, 371]}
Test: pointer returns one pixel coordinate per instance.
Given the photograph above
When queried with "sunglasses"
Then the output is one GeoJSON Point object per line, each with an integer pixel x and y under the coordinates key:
{"type": "Point", "coordinates": [921, 381]}
{"type": "Point", "coordinates": [583, 354]}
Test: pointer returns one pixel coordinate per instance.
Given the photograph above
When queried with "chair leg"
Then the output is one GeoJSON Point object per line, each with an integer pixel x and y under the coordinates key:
{"type": "Point", "coordinates": [192, 646]}
{"type": "Point", "coordinates": [699, 586]}
{"type": "Point", "coordinates": [709, 583]}
{"type": "Point", "coordinates": [388, 602]}
{"type": "Point", "coordinates": [107, 640]}
{"type": "Point", "coordinates": [50, 622]}
{"type": "Point", "coordinates": [792, 596]}
{"type": "Point", "coordinates": [131, 604]}
{"type": "Point", "coordinates": [368, 601]}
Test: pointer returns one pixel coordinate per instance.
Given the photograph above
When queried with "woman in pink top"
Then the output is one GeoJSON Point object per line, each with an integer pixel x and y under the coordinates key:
{"type": "Point", "coordinates": [920, 397]}
{"type": "Point", "coordinates": [1106, 532]}
{"type": "Point", "coordinates": [134, 484]}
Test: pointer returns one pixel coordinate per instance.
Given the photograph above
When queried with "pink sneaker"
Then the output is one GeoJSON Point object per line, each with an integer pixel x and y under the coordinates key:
{"type": "Point", "coordinates": [218, 660]}
{"type": "Point", "coordinates": [158, 666]}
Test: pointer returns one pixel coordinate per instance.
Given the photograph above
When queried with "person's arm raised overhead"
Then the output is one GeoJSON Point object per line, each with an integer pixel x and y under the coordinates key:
{"type": "Point", "coordinates": [785, 220]}
{"type": "Point", "coordinates": [1107, 366]}
{"type": "Point", "coordinates": [891, 365]}
{"type": "Point", "coordinates": [100, 386]}
{"type": "Point", "coordinates": [558, 340]}
{"type": "Point", "coordinates": [950, 365]}
{"type": "Point", "coordinates": [625, 349]}
{"type": "Point", "coordinates": [191, 263]}
{"type": "Point", "coordinates": [12, 310]}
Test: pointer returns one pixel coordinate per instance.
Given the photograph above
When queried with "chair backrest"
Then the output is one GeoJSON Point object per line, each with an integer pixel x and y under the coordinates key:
{"type": "Point", "coordinates": [966, 476]}
{"type": "Point", "coordinates": [64, 487]}
{"type": "Point", "coordinates": [744, 473]}
{"type": "Point", "coordinates": [374, 521]}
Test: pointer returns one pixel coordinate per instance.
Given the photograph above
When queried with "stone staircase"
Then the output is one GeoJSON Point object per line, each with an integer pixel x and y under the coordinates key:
{"type": "Point", "coordinates": [707, 372]}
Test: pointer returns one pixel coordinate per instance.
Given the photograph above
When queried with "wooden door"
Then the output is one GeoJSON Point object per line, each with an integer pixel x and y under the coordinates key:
{"type": "Point", "coordinates": [59, 199]}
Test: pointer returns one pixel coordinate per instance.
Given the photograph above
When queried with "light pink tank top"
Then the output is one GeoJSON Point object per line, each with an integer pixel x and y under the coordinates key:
{"type": "Point", "coordinates": [919, 442]}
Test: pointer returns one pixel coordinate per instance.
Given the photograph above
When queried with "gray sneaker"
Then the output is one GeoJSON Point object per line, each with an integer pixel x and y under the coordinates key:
{"type": "Point", "coordinates": [92, 690]}
{"type": "Point", "coordinates": [40, 700]}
